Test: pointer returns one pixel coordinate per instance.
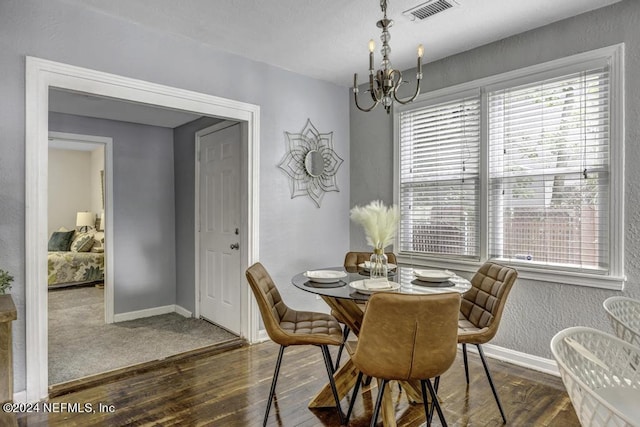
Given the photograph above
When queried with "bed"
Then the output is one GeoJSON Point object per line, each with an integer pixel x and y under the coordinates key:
{"type": "Point", "coordinates": [75, 258]}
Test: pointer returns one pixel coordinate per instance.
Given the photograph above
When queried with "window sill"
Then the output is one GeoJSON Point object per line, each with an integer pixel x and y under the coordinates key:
{"type": "Point", "coordinates": [524, 272]}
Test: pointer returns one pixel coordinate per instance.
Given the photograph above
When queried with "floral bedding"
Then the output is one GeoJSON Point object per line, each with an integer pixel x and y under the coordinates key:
{"type": "Point", "coordinates": [71, 267]}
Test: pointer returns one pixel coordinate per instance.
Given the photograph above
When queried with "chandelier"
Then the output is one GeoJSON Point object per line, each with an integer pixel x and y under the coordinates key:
{"type": "Point", "coordinates": [384, 83]}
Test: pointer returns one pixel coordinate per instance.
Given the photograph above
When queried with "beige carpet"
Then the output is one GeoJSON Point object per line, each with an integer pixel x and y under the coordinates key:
{"type": "Point", "coordinates": [81, 344]}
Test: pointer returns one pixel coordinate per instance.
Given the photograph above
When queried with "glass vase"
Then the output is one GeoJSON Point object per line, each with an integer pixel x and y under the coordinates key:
{"type": "Point", "coordinates": [378, 264]}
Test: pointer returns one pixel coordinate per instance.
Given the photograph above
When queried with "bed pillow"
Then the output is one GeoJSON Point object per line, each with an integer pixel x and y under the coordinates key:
{"type": "Point", "coordinates": [82, 242]}
{"type": "Point", "coordinates": [60, 240]}
{"type": "Point", "coordinates": [98, 242]}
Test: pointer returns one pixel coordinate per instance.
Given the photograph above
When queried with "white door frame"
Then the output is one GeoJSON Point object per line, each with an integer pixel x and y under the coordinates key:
{"type": "Point", "coordinates": [243, 208]}
{"type": "Point", "coordinates": [40, 76]}
{"type": "Point", "coordinates": [109, 244]}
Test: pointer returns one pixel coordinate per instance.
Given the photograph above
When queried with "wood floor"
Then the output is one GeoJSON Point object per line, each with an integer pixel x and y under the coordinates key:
{"type": "Point", "coordinates": [231, 388]}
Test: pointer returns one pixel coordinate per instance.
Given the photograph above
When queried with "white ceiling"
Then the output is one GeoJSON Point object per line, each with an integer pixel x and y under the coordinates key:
{"type": "Point", "coordinates": [327, 39]}
{"type": "Point", "coordinates": [324, 39]}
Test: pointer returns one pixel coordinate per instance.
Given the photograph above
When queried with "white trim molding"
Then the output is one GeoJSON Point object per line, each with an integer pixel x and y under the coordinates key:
{"type": "Point", "coordinates": [148, 312]}
{"type": "Point", "coordinates": [41, 75]}
{"type": "Point", "coordinates": [518, 358]}
{"type": "Point", "coordinates": [182, 311]}
{"type": "Point", "coordinates": [262, 336]}
{"type": "Point", "coordinates": [20, 397]}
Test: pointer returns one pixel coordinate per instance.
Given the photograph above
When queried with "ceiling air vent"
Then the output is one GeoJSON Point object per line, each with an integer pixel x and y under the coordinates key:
{"type": "Point", "coordinates": [427, 9]}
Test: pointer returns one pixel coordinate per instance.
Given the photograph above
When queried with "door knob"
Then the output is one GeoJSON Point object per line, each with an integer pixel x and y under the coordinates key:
{"type": "Point", "coordinates": [235, 246]}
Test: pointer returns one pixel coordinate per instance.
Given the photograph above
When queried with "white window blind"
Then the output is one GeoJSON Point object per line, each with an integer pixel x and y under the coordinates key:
{"type": "Point", "coordinates": [439, 178]}
{"type": "Point", "coordinates": [549, 172]}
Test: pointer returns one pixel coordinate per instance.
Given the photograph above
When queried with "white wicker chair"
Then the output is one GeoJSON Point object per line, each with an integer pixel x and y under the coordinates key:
{"type": "Point", "coordinates": [624, 314]}
{"type": "Point", "coordinates": [601, 375]}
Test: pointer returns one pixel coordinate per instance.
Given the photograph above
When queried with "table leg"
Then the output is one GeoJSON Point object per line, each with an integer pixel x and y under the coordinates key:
{"type": "Point", "coordinates": [388, 413]}
{"type": "Point", "coordinates": [413, 391]}
{"type": "Point", "coordinates": [349, 311]}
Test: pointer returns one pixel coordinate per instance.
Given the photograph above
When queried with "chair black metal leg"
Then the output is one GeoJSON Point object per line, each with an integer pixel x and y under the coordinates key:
{"type": "Point", "coordinates": [376, 409]}
{"type": "Point", "coordinates": [353, 397]}
{"type": "Point", "coordinates": [466, 364]}
{"type": "Point", "coordinates": [436, 384]}
{"type": "Point", "coordinates": [273, 385]}
{"type": "Point", "coordinates": [493, 388]}
{"type": "Point", "coordinates": [434, 396]}
{"type": "Point", "coordinates": [345, 335]}
{"type": "Point", "coordinates": [425, 402]}
{"type": "Point", "coordinates": [329, 365]}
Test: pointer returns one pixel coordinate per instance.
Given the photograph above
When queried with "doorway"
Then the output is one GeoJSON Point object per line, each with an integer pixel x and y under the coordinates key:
{"type": "Point", "coordinates": [41, 75]}
{"type": "Point", "coordinates": [102, 175]}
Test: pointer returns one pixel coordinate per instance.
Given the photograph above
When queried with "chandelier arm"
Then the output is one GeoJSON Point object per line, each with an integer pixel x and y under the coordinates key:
{"type": "Point", "coordinates": [366, 110]}
{"type": "Point", "coordinates": [376, 101]}
{"type": "Point", "coordinates": [408, 100]}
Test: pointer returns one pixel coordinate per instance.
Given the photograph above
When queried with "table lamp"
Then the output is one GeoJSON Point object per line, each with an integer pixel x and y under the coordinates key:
{"type": "Point", "coordinates": [85, 220]}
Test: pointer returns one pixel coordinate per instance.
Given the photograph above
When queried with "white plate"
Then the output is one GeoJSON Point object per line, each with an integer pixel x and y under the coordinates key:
{"type": "Point", "coordinates": [366, 266]}
{"type": "Point", "coordinates": [433, 275]}
{"type": "Point", "coordinates": [325, 276]}
{"type": "Point", "coordinates": [358, 285]}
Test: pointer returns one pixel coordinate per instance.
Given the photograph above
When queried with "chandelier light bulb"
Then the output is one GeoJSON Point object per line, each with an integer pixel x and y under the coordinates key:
{"type": "Point", "coordinates": [372, 45]}
{"type": "Point", "coordinates": [420, 51]}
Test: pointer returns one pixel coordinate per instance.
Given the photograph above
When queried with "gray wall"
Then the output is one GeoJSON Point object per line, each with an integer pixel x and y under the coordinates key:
{"type": "Point", "coordinates": [294, 234]}
{"type": "Point", "coordinates": [536, 310]}
{"type": "Point", "coordinates": [143, 209]}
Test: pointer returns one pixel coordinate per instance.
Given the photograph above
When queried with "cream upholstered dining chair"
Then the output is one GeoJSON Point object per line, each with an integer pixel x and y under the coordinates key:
{"type": "Point", "coordinates": [288, 327]}
{"type": "Point", "coordinates": [624, 314]}
{"type": "Point", "coordinates": [480, 313]}
{"type": "Point", "coordinates": [601, 373]}
{"type": "Point", "coordinates": [351, 262]}
{"type": "Point", "coordinates": [407, 337]}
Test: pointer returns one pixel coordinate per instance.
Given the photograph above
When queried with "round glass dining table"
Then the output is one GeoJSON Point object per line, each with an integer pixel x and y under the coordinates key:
{"type": "Point", "coordinates": [346, 304]}
{"type": "Point", "coordinates": [403, 275]}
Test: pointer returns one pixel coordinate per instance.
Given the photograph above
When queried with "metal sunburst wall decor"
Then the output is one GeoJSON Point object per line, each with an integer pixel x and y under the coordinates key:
{"type": "Point", "coordinates": [311, 163]}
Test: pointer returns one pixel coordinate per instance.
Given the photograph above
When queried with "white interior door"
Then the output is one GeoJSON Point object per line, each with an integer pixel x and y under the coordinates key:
{"type": "Point", "coordinates": [220, 218]}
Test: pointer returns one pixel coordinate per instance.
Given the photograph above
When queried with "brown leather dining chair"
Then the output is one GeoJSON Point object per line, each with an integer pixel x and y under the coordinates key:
{"type": "Point", "coordinates": [480, 313]}
{"type": "Point", "coordinates": [407, 337]}
{"type": "Point", "coordinates": [288, 327]}
{"type": "Point", "coordinates": [351, 262]}
{"type": "Point", "coordinates": [353, 259]}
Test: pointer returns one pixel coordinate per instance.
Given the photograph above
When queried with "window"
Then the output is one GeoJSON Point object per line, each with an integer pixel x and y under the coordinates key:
{"type": "Point", "coordinates": [440, 182]}
{"type": "Point", "coordinates": [524, 168]}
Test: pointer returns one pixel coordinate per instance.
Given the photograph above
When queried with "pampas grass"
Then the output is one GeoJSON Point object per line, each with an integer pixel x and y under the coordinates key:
{"type": "Point", "coordinates": [379, 222]}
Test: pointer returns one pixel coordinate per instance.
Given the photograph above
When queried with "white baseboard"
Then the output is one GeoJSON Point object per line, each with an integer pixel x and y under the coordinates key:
{"type": "Point", "coordinates": [148, 312]}
{"type": "Point", "coordinates": [20, 397]}
{"type": "Point", "coordinates": [183, 311]}
{"type": "Point", "coordinates": [262, 336]}
{"type": "Point", "coordinates": [518, 358]}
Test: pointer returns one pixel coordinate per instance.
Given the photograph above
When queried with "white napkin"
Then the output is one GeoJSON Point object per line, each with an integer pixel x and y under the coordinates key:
{"type": "Point", "coordinates": [373, 284]}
